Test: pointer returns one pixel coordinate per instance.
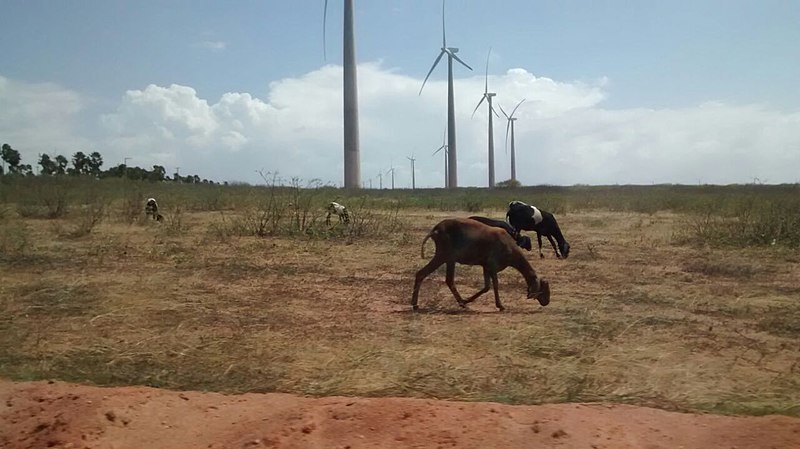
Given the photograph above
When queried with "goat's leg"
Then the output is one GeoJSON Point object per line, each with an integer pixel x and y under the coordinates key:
{"type": "Point", "coordinates": [497, 303]}
{"type": "Point", "coordinates": [486, 280]}
{"type": "Point", "coordinates": [450, 280]}
{"type": "Point", "coordinates": [328, 219]}
{"type": "Point", "coordinates": [539, 239]}
{"type": "Point", "coordinates": [421, 275]}
{"type": "Point", "coordinates": [553, 244]}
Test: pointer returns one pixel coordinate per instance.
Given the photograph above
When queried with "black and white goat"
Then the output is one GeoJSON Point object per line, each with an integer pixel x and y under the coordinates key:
{"type": "Point", "coordinates": [151, 209]}
{"type": "Point", "coordinates": [525, 217]}
{"type": "Point", "coordinates": [523, 241]}
{"type": "Point", "coordinates": [340, 211]}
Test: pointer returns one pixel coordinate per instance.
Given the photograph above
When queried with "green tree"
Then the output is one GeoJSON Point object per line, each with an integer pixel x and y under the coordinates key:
{"type": "Point", "coordinates": [49, 167]}
{"type": "Point", "coordinates": [94, 163]}
{"type": "Point", "coordinates": [158, 173]}
{"type": "Point", "coordinates": [80, 164]}
{"type": "Point", "coordinates": [61, 165]}
{"type": "Point", "coordinates": [509, 184]}
{"type": "Point", "coordinates": [11, 157]}
{"type": "Point", "coordinates": [25, 169]}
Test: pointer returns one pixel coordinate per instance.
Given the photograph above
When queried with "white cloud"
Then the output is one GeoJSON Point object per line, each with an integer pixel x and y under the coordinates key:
{"type": "Point", "coordinates": [39, 115]}
{"type": "Point", "coordinates": [564, 135]}
{"type": "Point", "coordinates": [213, 45]}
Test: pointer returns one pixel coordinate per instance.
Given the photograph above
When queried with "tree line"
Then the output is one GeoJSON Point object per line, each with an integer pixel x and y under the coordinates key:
{"type": "Point", "coordinates": [82, 164]}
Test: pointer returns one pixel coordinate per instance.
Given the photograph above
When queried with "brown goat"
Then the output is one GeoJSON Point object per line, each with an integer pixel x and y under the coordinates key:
{"type": "Point", "coordinates": [471, 242]}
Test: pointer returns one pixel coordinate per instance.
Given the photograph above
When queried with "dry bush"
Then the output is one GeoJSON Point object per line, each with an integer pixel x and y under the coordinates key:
{"type": "Point", "coordinates": [132, 206]}
{"type": "Point", "coordinates": [47, 199]}
{"type": "Point", "coordinates": [15, 239]}
{"type": "Point", "coordinates": [767, 224]}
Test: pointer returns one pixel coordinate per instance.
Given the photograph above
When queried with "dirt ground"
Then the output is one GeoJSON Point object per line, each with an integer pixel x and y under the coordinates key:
{"type": "Point", "coordinates": [62, 415]}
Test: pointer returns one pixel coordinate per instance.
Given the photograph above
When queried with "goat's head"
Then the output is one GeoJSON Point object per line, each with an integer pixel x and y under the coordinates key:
{"type": "Point", "coordinates": [564, 248]}
{"type": "Point", "coordinates": [151, 202]}
{"type": "Point", "coordinates": [540, 290]}
{"type": "Point", "coordinates": [524, 242]}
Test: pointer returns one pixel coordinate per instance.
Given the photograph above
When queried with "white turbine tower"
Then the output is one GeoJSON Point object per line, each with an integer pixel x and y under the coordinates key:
{"type": "Point", "coordinates": [488, 97]}
{"type": "Point", "coordinates": [446, 157]}
{"type": "Point", "coordinates": [452, 180]}
{"type": "Point", "coordinates": [391, 170]}
{"type": "Point", "coordinates": [352, 161]}
{"type": "Point", "coordinates": [511, 120]}
{"type": "Point", "coordinates": [413, 177]}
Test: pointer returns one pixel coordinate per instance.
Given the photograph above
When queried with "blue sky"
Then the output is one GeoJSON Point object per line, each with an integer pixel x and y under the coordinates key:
{"type": "Point", "coordinates": [617, 92]}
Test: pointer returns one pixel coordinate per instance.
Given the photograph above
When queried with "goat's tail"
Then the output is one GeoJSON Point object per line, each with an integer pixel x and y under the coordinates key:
{"type": "Point", "coordinates": [430, 234]}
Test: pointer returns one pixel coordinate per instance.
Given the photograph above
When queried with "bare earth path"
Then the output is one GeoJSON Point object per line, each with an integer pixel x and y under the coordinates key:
{"type": "Point", "coordinates": [62, 415]}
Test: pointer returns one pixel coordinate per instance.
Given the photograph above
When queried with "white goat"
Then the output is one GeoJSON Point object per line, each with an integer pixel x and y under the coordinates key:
{"type": "Point", "coordinates": [340, 211]}
{"type": "Point", "coordinates": [151, 209]}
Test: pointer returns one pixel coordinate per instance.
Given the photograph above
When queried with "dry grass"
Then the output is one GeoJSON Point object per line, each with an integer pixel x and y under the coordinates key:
{"type": "Point", "coordinates": [634, 317]}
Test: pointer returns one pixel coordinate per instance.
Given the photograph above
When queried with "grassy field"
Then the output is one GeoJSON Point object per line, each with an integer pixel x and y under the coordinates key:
{"type": "Point", "coordinates": [677, 297]}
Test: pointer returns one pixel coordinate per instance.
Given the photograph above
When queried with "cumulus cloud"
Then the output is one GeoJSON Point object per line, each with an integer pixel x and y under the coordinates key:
{"type": "Point", "coordinates": [563, 135]}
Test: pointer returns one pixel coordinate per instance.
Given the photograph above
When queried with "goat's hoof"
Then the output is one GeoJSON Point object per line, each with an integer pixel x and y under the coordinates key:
{"type": "Point", "coordinates": [463, 304]}
{"type": "Point", "coordinates": [501, 308]}
{"type": "Point", "coordinates": [415, 308]}
{"type": "Point", "coordinates": [541, 256]}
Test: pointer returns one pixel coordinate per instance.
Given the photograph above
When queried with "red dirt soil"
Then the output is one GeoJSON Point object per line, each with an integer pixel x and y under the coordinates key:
{"type": "Point", "coordinates": [62, 415]}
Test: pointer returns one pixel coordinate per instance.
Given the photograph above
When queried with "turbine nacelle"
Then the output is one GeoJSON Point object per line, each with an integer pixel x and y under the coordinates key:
{"type": "Point", "coordinates": [510, 118]}
{"type": "Point", "coordinates": [449, 51]}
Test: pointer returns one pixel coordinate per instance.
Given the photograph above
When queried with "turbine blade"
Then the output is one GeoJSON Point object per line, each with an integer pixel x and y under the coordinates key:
{"type": "Point", "coordinates": [508, 125]}
{"type": "Point", "coordinates": [515, 109]}
{"type": "Point", "coordinates": [495, 112]}
{"type": "Point", "coordinates": [486, 88]}
{"type": "Point", "coordinates": [324, 24]}
{"type": "Point", "coordinates": [438, 150]}
{"type": "Point", "coordinates": [503, 110]}
{"type": "Point", "coordinates": [479, 105]}
{"type": "Point", "coordinates": [444, 39]}
{"type": "Point", "coordinates": [438, 58]}
{"type": "Point", "coordinates": [459, 60]}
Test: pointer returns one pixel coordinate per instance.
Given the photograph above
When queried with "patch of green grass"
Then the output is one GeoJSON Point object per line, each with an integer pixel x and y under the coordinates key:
{"type": "Point", "coordinates": [725, 268]}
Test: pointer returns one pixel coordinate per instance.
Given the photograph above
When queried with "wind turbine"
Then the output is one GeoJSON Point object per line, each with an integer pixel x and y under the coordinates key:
{"type": "Point", "coordinates": [452, 179]}
{"type": "Point", "coordinates": [488, 97]}
{"type": "Point", "coordinates": [446, 157]}
{"type": "Point", "coordinates": [380, 180]}
{"type": "Point", "coordinates": [511, 120]}
{"type": "Point", "coordinates": [413, 178]}
{"type": "Point", "coordinates": [392, 171]}
{"type": "Point", "coordinates": [352, 162]}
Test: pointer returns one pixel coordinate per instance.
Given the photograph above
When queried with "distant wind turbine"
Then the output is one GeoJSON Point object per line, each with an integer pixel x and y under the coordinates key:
{"type": "Point", "coordinates": [488, 97]}
{"type": "Point", "coordinates": [391, 170]}
{"type": "Point", "coordinates": [446, 157]}
{"type": "Point", "coordinates": [511, 120]}
{"type": "Point", "coordinates": [413, 177]}
{"type": "Point", "coordinates": [352, 162]}
{"type": "Point", "coordinates": [452, 180]}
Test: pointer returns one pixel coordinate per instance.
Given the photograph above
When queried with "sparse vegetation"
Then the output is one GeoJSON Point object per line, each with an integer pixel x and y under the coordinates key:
{"type": "Point", "coordinates": [244, 288]}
